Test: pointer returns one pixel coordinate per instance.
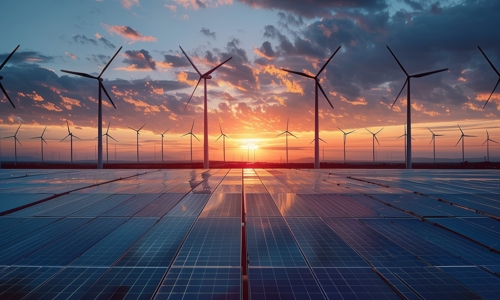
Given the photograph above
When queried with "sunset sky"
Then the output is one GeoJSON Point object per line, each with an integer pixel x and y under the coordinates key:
{"type": "Point", "coordinates": [150, 80]}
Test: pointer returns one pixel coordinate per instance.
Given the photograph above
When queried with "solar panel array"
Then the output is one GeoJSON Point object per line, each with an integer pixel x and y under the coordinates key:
{"type": "Point", "coordinates": [249, 234]}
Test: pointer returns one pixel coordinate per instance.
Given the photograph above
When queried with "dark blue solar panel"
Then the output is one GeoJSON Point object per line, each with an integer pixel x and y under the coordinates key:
{"type": "Point", "coordinates": [398, 284]}
{"type": "Point", "coordinates": [379, 208]}
{"type": "Point", "coordinates": [323, 207]}
{"type": "Point", "coordinates": [374, 247]}
{"type": "Point", "coordinates": [189, 206]}
{"type": "Point", "coordinates": [158, 246]}
{"type": "Point", "coordinates": [488, 223]}
{"type": "Point", "coordinates": [353, 283]}
{"type": "Point", "coordinates": [477, 233]}
{"type": "Point", "coordinates": [484, 283]}
{"type": "Point", "coordinates": [349, 205]}
{"type": "Point", "coordinates": [101, 207]}
{"type": "Point", "coordinates": [47, 205]}
{"type": "Point", "coordinates": [13, 200]}
{"type": "Point", "coordinates": [283, 283]}
{"type": "Point", "coordinates": [8, 235]}
{"type": "Point", "coordinates": [270, 243]}
{"type": "Point", "coordinates": [260, 205]}
{"type": "Point", "coordinates": [113, 246]}
{"type": "Point", "coordinates": [485, 203]}
{"type": "Point", "coordinates": [131, 206]}
{"type": "Point", "coordinates": [494, 269]}
{"type": "Point", "coordinates": [290, 205]}
{"type": "Point", "coordinates": [223, 205]}
{"type": "Point", "coordinates": [69, 247]}
{"type": "Point", "coordinates": [321, 246]}
{"type": "Point", "coordinates": [16, 282]}
{"type": "Point", "coordinates": [201, 283]}
{"type": "Point", "coordinates": [160, 206]}
{"type": "Point", "coordinates": [7, 221]}
{"type": "Point", "coordinates": [212, 242]}
{"type": "Point", "coordinates": [127, 283]}
{"type": "Point", "coordinates": [73, 206]}
{"type": "Point", "coordinates": [69, 283]}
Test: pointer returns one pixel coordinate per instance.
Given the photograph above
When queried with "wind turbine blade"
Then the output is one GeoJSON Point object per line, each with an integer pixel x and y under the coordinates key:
{"type": "Point", "coordinates": [323, 140]}
{"type": "Point", "coordinates": [220, 129]}
{"type": "Point", "coordinates": [195, 136]}
{"type": "Point", "coordinates": [8, 57]}
{"type": "Point", "coordinates": [109, 62]}
{"type": "Point", "coordinates": [64, 138]}
{"type": "Point", "coordinates": [36, 137]}
{"type": "Point", "coordinates": [341, 130]}
{"type": "Point", "coordinates": [459, 140]}
{"type": "Point", "coordinates": [190, 61]}
{"type": "Point", "coordinates": [487, 134]}
{"type": "Point", "coordinates": [79, 74]}
{"type": "Point", "coordinates": [311, 142]}
{"type": "Point", "coordinates": [109, 123]}
{"type": "Point", "coordinates": [369, 131]}
{"type": "Point", "coordinates": [400, 93]}
{"type": "Point", "coordinates": [17, 129]}
{"type": "Point", "coordinates": [131, 128]}
{"type": "Point", "coordinates": [293, 135]}
{"type": "Point", "coordinates": [484, 142]}
{"type": "Point", "coordinates": [8, 98]}
{"type": "Point", "coordinates": [287, 119]}
{"type": "Point", "coordinates": [192, 93]}
{"type": "Point", "coordinates": [67, 124]}
{"type": "Point", "coordinates": [431, 139]}
{"type": "Point", "coordinates": [328, 61]}
{"type": "Point", "coordinates": [430, 130]}
{"type": "Point", "coordinates": [192, 126]}
{"type": "Point", "coordinates": [379, 130]}
{"type": "Point", "coordinates": [428, 73]}
{"type": "Point", "coordinates": [112, 138]}
{"type": "Point", "coordinates": [141, 127]}
{"type": "Point", "coordinates": [43, 131]}
{"type": "Point", "coordinates": [106, 92]}
{"type": "Point", "coordinates": [470, 135]}
{"type": "Point", "coordinates": [165, 131]}
{"type": "Point", "coordinates": [44, 141]}
{"type": "Point", "coordinates": [498, 81]}
{"type": "Point", "coordinates": [350, 132]}
{"type": "Point", "coordinates": [76, 137]}
{"type": "Point", "coordinates": [185, 134]}
{"type": "Point", "coordinates": [484, 56]}
{"type": "Point", "coordinates": [216, 67]}
{"type": "Point", "coordinates": [401, 136]}
{"type": "Point", "coordinates": [218, 138]}
{"type": "Point", "coordinates": [493, 141]}
{"type": "Point", "coordinates": [439, 135]}
{"type": "Point", "coordinates": [7, 137]}
{"type": "Point", "coordinates": [281, 133]}
{"type": "Point", "coordinates": [398, 61]}
{"type": "Point", "coordinates": [298, 73]}
{"type": "Point", "coordinates": [324, 94]}
{"type": "Point", "coordinates": [376, 139]}
{"type": "Point", "coordinates": [17, 140]}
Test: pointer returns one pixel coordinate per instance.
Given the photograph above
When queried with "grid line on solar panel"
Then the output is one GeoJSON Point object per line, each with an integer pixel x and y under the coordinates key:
{"type": "Point", "coordinates": [270, 243]}
{"type": "Point", "coordinates": [212, 242]}
{"type": "Point", "coordinates": [222, 205]}
{"type": "Point", "coordinates": [201, 283]}
{"type": "Point", "coordinates": [73, 206]}
{"type": "Point", "coordinates": [380, 208]}
{"type": "Point", "coordinates": [485, 222]}
{"type": "Point", "coordinates": [321, 246]}
{"type": "Point", "coordinates": [348, 204]}
{"type": "Point", "coordinates": [374, 247]}
{"type": "Point", "coordinates": [160, 206]}
{"type": "Point", "coordinates": [291, 205]}
{"type": "Point", "coordinates": [353, 283]}
{"type": "Point", "coordinates": [283, 283]}
{"type": "Point", "coordinates": [103, 206]}
{"type": "Point", "coordinates": [11, 253]}
{"type": "Point", "coordinates": [483, 283]}
{"type": "Point", "coordinates": [22, 228]}
{"type": "Point", "coordinates": [16, 282]}
{"type": "Point", "coordinates": [113, 246]}
{"type": "Point", "coordinates": [67, 248]}
{"type": "Point", "coordinates": [260, 205]}
{"type": "Point", "coordinates": [190, 206]}
{"type": "Point", "coordinates": [397, 283]}
{"type": "Point", "coordinates": [13, 201]}
{"type": "Point", "coordinates": [416, 245]}
{"type": "Point", "coordinates": [6, 222]}
{"type": "Point", "coordinates": [131, 206]}
{"type": "Point", "coordinates": [474, 202]}
{"type": "Point", "coordinates": [159, 245]}
{"type": "Point", "coordinates": [323, 207]}
{"type": "Point", "coordinates": [47, 205]}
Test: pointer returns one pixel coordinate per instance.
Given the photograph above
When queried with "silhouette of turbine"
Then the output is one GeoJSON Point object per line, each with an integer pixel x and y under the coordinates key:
{"type": "Point", "coordinates": [107, 135]}
{"type": "Point", "coordinates": [16, 140]}
{"type": "Point", "coordinates": [488, 145]}
{"type": "Point", "coordinates": [224, 136]}
{"type": "Point", "coordinates": [404, 135]}
{"type": "Point", "coordinates": [433, 139]}
{"type": "Point", "coordinates": [286, 133]}
{"type": "Point", "coordinates": [1, 77]}
{"type": "Point", "coordinates": [71, 135]}
{"type": "Point", "coordinates": [462, 137]}
{"type": "Point", "coordinates": [42, 140]}
{"type": "Point", "coordinates": [162, 135]}
{"type": "Point", "coordinates": [191, 140]}
{"type": "Point", "coordinates": [373, 140]}
{"type": "Point", "coordinates": [345, 138]}
{"type": "Point", "coordinates": [496, 71]}
{"type": "Point", "coordinates": [137, 130]}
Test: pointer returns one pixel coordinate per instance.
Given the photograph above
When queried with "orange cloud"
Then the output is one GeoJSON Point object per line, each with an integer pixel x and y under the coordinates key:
{"type": "Point", "coordinates": [357, 101]}
{"type": "Point", "coordinates": [139, 104]}
{"type": "Point", "coordinates": [70, 55]}
{"type": "Point", "coordinates": [261, 54]}
{"type": "Point", "coordinates": [196, 4]}
{"type": "Point", "coordinates": [50, 106]}
{"type": "Point", "coordinates": [128, 33]}
{"type": "Point", "coordinates": [69, 102]}
{"type": "Point", "coordinates": [291, 86]}
{"type": "Point", "coordinates": [129, 3]}
{"type": "Point", "coordinates": [35, 96]}
{"type": "Point", "coordinates": [472, 106]}
{"type": "Point", "coordinates": [461, 79]}
{"type": "Point", "coordinates": [171, 7]}
{"type": "Point", "coordinates": [183, 77]}
{"type": "Point", "coordinates": [158, 91]}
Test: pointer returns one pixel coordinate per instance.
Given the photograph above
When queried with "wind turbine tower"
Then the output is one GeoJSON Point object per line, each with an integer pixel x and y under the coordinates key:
{"type": "Point", "coordinates": [108, 135]}
{"type": "Point", "coordinates": [71, 135]}
{"type": "Point", "coordinates": [345, 138]}
{"type": "Point", "coordinates": [286, 133]}
{"type": "Point", "coordinates": [488, 145]}
{"type": "Point", "coordinates": [191, 140]}
{"type": "Point", "coordinates": [224, 136]}
{"type": "Point", "coordinates": [16, 140]}
{"type": "Point", "coordinates": [373, 140]}
{"type": "Point", "coordinates": [433, 139]}
{"type": "Point", "coordinates": [162, 135]}
{"type": "Point", "coordinates": [42, 140]}
{"type": "Point", "coordinates": [462, 137]}
{"type": "Point", "coordinates": [137, 131]}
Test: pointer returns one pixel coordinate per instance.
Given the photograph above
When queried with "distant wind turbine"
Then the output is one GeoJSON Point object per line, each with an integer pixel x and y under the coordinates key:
{"type": "Point", "coordinates": [404, 135]}
{"type": "Point", "coordinates": [191, 140]}
{"type": "Point", "coordinates": [108, 135]}
{"type": "Point", "coordinates": [316, 105]}
{"type": "Point", "coordinates": [488, 145]}
{"type": "Point", "coordinates": [496, 71]}
{"type": "Point", "coordinates": [433, 139]}
{"type": "Point", "coordinates": [71, 135]}
{"type": "Point", "coordinates": [224, 136]}
{"type": "Point", "coordinates": [16, 140]}
{"type": "Point", "coordinates": [204, 76]}
{"type": "Point", "coordinates": [1, 77]}
{"type": "Point", "coordinates": [286, 133]}
{"type": "Point", "coordinates": [345, 138]}
{"type": "Point", "coordinates": [137, 130]}
{"type": "Point", "coordinates": [42, 140]}
{"type": "Point", "coordinates": [99, 109]}
{"type": "Point", "coordinates": [162, 135]}
{"type": "Point", "coordinates": [373, 140]}
{"type": "Point", "coordinates": [462, 137]}
{"type": "Point", "coordinates": [408, 104]}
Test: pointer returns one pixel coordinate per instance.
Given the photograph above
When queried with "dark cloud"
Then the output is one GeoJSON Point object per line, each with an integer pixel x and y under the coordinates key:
{"type": "Point", "coordinates": [107, 43]}
{"type": "Point", "coordinates": [176, 61]}
{"type": "Point", "coordinates": [139, 59]}
{"type": "Point", "coordinates": [26, 57]}
{"type": "Point", "coordinates": [207, 32]}
{"type": "Point", "coordinates": [99, 59]}
{"type": "Point", "coordinates": [82, 39]}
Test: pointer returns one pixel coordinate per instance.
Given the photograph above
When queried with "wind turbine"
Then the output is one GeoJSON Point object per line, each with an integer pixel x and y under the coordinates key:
{"type": "Point", "coordinates": [286, 133]}
{"type": "Point", "coordinates": [373, 140]}
{"type": "Point", "coordinates": [408, 104]}
{"type": "Point", "coordinates": [137, 130]}
{"type": "Point", "coordinates": [462, 137]}
{"type": "Point", "coordinates": [107, 135]}
{"type": "Point", "coordinates": [162, 135]}
{"type": "Point", "coordinates": [204, 76]}
{"type": "Point", "coordinates": [498, 81]}
{"type": "Point", "coordinates": [488, 145]}
{"type": "Point", "coordinates": [42, 140]}
{"type": "Point", "coordinates": [16, 140]}
{"type": "Point", "coordinates": [316, 107]}
{"type": "Point", "coordinates": [404, 135]}
{"type": "Point", "coordinates": [433, 139]}
{"type": "Point", "coordinates": [191, 140]}
{"type": "Point", "coordinates": [99, 109]}
{"type": "Point", "coordinates": [224, 136]}
{"type": "Point", "coordinates": [1, 77]}
{"type": "Point", "coordinates": [71, 135]}
{"type": "Point", "coordinates": [345, 137]}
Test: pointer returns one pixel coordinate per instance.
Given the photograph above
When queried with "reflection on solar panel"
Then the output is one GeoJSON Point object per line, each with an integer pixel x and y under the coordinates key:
{"type": "Point", "coordinates": [190, 206]}
{"type": "Point", "coordinates": [323, 207]}
{"type": "Point", "coordinates": [160, 206]}
{"type": "Point", "coordinates": [261, 205]}
{"type": "Point", "coordinates": [222, 206]}
{"type": "Point", "coordinates": [103, 206]}
{"type": "Point", "coordinates": [483, 283]}
{"type": "Point", "coordinates": [380, 209]}
{"type": "Point", "coordinates": [15, 282]}
{"type": "Point", "coordinates": [290, 205]}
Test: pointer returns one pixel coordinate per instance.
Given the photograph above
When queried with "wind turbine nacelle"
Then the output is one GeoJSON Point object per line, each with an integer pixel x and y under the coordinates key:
{"type": "Point", "coordinates": [207, 77]}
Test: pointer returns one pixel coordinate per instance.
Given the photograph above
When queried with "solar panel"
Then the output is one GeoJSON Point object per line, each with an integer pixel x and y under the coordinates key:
{"type": "Point", "coordinates": [323, 207]}
{"type": "Point", "coordinates": [190, 206]}
{"type": "Point", "coordinates": [48, 205]}
{"type": "Point", "coordinates": [6, 222]}
{"type": "Point", "coordinates": [160, 206]}
{"type": "Point", "coordinates": [131, 206]}
{"type": "Point", "coordinates": [103, 206]}
{"type": "Point", "coordinates": [483, 283]}
{"type": "Point", "coordinates": [260, 205]}
{"type": "Point", "coordinates": [291, 205]}
{"type": "Point", "coordinates": [223, 206]}
{"type": "Point", "coordinates": [67, 209]}
{"type": "Point", "coordinates": [14, 200]}
{"type": "Point", "coordinates": [22, 228]}
{"type": "Point", "coordinates": [477, 233]}
{"type": "Point", "coordinates": [381, 209]}
{"type": "Point", "coordinates": [16, 282]}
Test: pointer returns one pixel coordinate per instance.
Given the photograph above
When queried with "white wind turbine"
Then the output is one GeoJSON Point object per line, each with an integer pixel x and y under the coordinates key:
{"type": "Point", "coordinates": [191, 140]}
{"type": "Point", "coordinates": [137, 131]}
{"type": "Point", "coordinates": [204, 76]}
{"type": "Point", "coordinates": [496, 71]}
{"type": "Point", "coordinates": [462, 137]}
{"type": "Point", "coordinates": [488, 145]}
{"type": "Point", "coordinates": [108, 135]}
{"type": "Point", "coordinates": [42, 140]}
{"type": "Point", "coordinates": [316, 105]}
{"type": "Point", "coordinates": [71, 135]}
{"type": "Point", "coordinates": [99, 107]}
{"type": "Point", "coordinates": [286, 133]}
{"type": "Point", "coordinates": [373, 140]}
{"type": "Point", "coordinates": [162, 135]}
{"type": "Point", "coordinates": [404, 135]}
{"type": "Point", "coordinates": [433, 139]}
{"type": "Point", "coordinates": [224, 136]}
{"type": "Point", "coordinates": [16, 140]}
{"type": "Point", "coordinates": [408, 104]}
{"type": "Point", "coordinates": [345, 138]}
{"type": "Point", "coordinates": [1, 77]}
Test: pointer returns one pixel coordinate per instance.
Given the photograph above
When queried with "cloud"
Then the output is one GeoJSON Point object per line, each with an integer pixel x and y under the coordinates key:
{"type": "Point", "coordinates": [27, 57]}
{"type": "Point", "coordinates": [129, 3]}
{"type": "Point", "coordinates": [71, 55]}
{"type": "Point", "coordinates": [128, 33]}
{"type": "Point", "coordinates": [139, 60]}
{"type": "Point", "coordinates": [196, 4]}
{"type": "Point", "coordinates": [84, 40]}
{"type": "Point", "coordinates": [208, 33]}
{"type": "Point", "coordinates": [176, 61]}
